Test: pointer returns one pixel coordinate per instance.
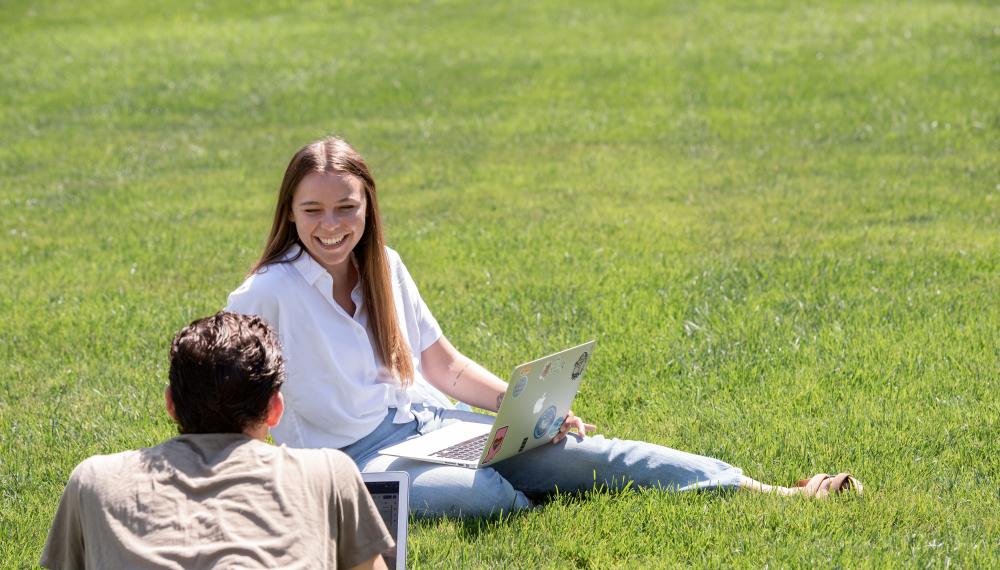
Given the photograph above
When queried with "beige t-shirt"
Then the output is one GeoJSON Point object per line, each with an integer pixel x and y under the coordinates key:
{"type": "Point", "coordinates": [219, 501]}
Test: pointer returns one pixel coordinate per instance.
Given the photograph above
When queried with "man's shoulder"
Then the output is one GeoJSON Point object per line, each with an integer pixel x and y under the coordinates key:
{"type": "Point", "coordinates": [94, 470]}
{"type": "Point", "coordinates": [332, 463]}
{"type": "Point", "coordinates": [321, 455]}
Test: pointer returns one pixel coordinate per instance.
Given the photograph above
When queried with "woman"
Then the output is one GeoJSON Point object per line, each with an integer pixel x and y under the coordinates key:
{"type": "Point", "coordinates": [368, 366]}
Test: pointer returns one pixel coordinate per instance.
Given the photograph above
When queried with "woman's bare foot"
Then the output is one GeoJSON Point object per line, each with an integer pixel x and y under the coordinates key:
{"type": "Point", "coordinates": [819, 486]}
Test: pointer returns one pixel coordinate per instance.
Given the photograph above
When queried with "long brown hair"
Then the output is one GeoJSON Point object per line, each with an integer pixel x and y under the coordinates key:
{"type": "Point", "coordinates": [329, 155]}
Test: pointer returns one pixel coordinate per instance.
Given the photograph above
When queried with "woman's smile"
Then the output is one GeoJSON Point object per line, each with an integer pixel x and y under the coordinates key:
{"type": "Point", "coordinates": [328, 210]}
{"type": "Point", "coordinates": [333, 242]}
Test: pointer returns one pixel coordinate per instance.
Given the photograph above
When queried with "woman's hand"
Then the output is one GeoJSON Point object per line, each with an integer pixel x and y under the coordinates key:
{"type": "Point", "coordinates": [573, 422]}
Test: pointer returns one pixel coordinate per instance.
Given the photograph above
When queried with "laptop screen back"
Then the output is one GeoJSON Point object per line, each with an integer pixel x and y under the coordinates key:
{"type": "Point", "coordinates": [389, 492]}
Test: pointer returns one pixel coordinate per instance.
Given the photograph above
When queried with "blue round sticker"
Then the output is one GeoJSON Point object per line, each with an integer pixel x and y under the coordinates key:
{"type": "Point", "coordinates": [520, 386]}
{"type": "Point", "coordinates": [544, 422]}
{"type": "Point", "coordinates": [555, 426]}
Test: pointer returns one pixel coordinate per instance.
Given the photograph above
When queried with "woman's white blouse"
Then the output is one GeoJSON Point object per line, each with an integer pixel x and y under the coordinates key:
{"type": "Point", "coordinates": [337, 389]}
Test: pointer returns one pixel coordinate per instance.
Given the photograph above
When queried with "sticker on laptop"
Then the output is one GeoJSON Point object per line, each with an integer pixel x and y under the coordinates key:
{"type": "Point", "coordinates": [525, 370]}
{"type": "Point", "coordinates": [496, 445]}
{"type": "Point", "coordinates": [523, 443]}
{"type": "Point", "coordinates": [539, 404]}
{"type": "Point", "coordinates": [520, 386]}
{"type": "Point", "coordinates": [581, 363]}
{"type": "Point", "coordinates": [555, 427]}
{"type": "Point", "coordinates": [546, 370]}
{"type": "Point", "coordinates": [544, 422]}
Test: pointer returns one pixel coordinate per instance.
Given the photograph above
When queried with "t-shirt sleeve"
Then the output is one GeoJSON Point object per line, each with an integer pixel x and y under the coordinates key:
{"type": "Point", "coordinates": [359, 531]}
{"type": "Point", "coordinates": [64, 547]}
{"type": "Point", "coordinates": [427, 325]}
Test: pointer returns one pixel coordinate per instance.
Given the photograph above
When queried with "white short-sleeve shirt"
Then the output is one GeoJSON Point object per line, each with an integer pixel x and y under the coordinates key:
{"type": "Point", "coordinates": [337, 388]}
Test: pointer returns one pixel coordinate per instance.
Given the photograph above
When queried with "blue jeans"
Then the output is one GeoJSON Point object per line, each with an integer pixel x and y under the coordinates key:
{"type": "Point", "coordinates": [573, 465]}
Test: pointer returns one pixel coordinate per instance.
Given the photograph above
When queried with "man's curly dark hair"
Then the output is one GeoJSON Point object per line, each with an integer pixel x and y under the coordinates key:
{"type": "Point", "coordinates": [224, 369]}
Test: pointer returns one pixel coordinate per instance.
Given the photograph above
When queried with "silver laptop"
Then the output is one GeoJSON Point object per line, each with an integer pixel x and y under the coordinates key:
{"type": "Point", "coordinates": [390, 490]}
{"type": "Point", "coordinates": [538, 397]}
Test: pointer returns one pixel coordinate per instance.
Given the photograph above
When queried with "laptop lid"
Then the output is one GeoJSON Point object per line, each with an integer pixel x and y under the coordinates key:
{"type": "Point", "coordinates": [390, 491]}
{"type": "Point", "coordinates": [538, 398]}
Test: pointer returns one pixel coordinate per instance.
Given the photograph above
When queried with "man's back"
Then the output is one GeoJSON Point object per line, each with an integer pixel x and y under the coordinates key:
{"type": "Point", "coordinates": [215, 500]}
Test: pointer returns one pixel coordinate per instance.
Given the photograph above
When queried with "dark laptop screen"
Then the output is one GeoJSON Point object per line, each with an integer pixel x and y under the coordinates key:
{"type": "Point", "coordinates": [385, 494]}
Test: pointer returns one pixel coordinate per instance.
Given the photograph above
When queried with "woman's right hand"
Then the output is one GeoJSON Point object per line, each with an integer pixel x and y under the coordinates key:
{"type": "Point", "coordinates": [572, 421]}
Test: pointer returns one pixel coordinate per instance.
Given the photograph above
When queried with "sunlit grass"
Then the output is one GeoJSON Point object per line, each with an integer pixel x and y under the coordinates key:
{"type": "Point", "coordinates": [779, 220]}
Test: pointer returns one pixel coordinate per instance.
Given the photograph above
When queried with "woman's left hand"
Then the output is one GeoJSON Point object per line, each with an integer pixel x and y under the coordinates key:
{"type": "Point", "coordinates": [573, 422]}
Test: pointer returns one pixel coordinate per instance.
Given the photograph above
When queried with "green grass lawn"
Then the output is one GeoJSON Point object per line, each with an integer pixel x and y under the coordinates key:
{"type": "Point", "coordinates": [780, 220]}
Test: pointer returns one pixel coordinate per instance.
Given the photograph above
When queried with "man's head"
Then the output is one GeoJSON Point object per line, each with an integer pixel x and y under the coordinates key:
{"type": "Point", "coordinates": [225, 372]}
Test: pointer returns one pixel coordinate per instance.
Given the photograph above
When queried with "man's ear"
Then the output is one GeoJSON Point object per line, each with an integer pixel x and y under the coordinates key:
{"type": "Point", "coordinates": [275, 407]}
{"type": "Point", "coordinates": [171, 409]}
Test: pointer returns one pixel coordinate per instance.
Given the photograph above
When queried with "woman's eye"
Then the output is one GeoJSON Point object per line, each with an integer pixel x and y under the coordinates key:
{"type": "Point", "coordinates": [312, 211]}
{"type": "Point", "coordinates": [347, 208]}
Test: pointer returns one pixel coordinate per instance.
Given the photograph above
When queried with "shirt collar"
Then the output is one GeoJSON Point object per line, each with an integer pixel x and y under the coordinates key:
{"type": "Point", "coordinates": [307, 266]}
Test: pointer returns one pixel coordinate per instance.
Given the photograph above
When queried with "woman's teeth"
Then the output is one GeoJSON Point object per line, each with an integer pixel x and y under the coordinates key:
{"type": "Point", "coordinates": [332, 241]}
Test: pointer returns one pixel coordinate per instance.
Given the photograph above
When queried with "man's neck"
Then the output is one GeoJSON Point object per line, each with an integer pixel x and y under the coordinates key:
{"type": "Point", "coordinates": [258, 432]}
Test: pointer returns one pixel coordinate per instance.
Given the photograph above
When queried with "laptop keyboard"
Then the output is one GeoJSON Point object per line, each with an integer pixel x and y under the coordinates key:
{"type": "Point", "coordinates": [468, 450]}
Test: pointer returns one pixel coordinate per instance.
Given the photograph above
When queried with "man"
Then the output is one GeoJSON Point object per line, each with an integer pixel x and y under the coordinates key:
{"type": "Point", "coordinates": [218, 495]}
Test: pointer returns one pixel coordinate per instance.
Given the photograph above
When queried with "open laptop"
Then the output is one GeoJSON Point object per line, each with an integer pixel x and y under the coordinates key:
{"type": "Point", "coordinates": [390, 490]}
{"type": "Point", "coordinates": [538, 397]}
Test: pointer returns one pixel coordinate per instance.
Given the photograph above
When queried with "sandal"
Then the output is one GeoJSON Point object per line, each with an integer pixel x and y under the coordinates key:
{"type": "Point", "coordinates": [822, 485]}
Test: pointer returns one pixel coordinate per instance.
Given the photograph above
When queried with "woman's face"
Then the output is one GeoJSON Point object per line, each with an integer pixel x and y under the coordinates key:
{"type": "Point", "coordinates": [328, 210]}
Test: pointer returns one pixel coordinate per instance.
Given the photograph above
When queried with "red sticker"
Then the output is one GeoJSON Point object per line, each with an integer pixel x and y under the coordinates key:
{"type": "Point", "coordinates": [497, 444]}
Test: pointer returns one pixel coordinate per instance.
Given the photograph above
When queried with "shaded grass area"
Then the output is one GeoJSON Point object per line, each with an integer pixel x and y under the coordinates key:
{"type": "Point", "coordinates": [779, 221]}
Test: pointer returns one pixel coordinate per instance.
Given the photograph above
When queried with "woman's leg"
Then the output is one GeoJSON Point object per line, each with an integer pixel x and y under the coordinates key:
{"type": "Point", "coordinates": [758, 487]}
{"type": "Point", "coordinates": [437, 490]}
{"type": "Point", "coordinates": [580, 464]}
{"type": "Point", "coordinates": [445, 490]}
{"type": "Point", "coordinates": [819, 486]}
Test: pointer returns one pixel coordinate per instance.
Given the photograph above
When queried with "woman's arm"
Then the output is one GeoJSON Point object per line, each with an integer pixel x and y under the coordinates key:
{"type": "Point", "coordinates": [458, 376]}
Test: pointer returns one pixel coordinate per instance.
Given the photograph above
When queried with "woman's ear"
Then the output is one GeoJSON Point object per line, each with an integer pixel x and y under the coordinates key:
{"type": "Point", "coordinates": [171, 409]}
{"type": "Point", "coordinates": [275, 408]}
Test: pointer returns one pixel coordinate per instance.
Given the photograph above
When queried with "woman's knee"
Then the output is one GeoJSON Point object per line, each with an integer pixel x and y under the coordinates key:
{"type": "Point", "coordinates": [461, 492]}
